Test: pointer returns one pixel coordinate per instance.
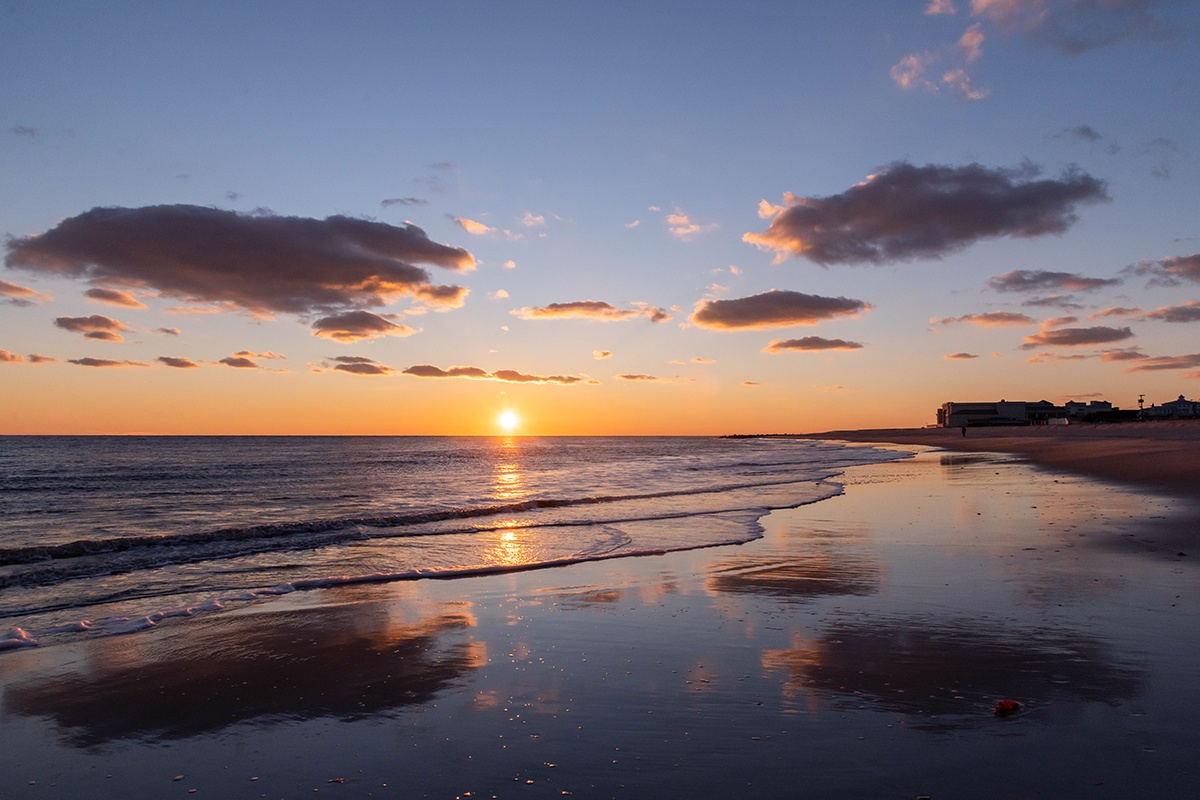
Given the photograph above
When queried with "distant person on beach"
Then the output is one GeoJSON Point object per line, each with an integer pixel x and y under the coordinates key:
{"type": "Point", "coordinates": [964, 431]}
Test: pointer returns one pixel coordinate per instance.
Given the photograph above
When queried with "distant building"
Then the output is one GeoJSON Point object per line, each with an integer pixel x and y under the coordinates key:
{"type": "Point", "coordinates": [1004, 412]}
{"type": "Point", "coordinates": [1175, 409]}
{"type": "Point", "coordinates": [1078, 410]}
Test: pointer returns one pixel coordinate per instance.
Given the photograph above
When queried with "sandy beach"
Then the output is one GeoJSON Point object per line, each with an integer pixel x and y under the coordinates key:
{"type": "Point", "coordinates": [857, 649]}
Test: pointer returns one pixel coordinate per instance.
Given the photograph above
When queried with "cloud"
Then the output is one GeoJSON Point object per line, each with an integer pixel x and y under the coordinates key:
{"type": "Point", "coordinates": [510, 264]}
{"type": "Point", "coordinates": [969, 43]}
{"type": "Point", "coordinates": [1085, 132]}
{"type": "Point", "coordinates": [1041, 358]}
{"type": "Point", "coordinates": [601, 354]}
{"type": "Point", "coordinates": [499, 294]}
{"type": "Point", "coordinates": [909, 72]}
{"type": "Point", "coordinates": [906, 212]}
{"type": "Point", "coordinates": [1076, 26]}
{"type": "Point", "coordinates": [961, 83]}
{"type": "Point", "coordinates": [529, 220]}
{"type": "Point", "coordinates": [403, 201]}
{"type": "Point", "coordinates": [261, 263]}
{"type": "Point", "coordinates": [114, 297]}
{"type": "Point", "coordinates": [810, 343]}
{"type": "Point", "coordinates": [1074, 337]}
{"type": "Point", "coordinates": [751, 383]}
{"type": "Point", "coordinates": [167, 331]}
{"type": "Point", "coordinates": [354, 326]}
{"type": "Point", "coordinates": [21, 295]}
{"type": "Point", "coordinates": [640, 377]}
{"type": "Point", "coordinates": [479, 229]}
{"type": "Point", "coordinates": [1171, 271]}
{"type": "Point", "coordinates": [772, 309]}
{"type": "Point", "coordinates": [252, 354]}
{"type": "Point", "coordinates": [1058, 322]}
{"type": "Point", "coordinates": [702, 360]}
{"type": "Point", "coordinates": [359, 365]}
{"type": "Point", "coordinates": [681, 225]}
{"type": "Point", "coordinates": [104, 362]}
{"type": "Point", "coordinates": [37, 358]}
{"type": "Point", "coordinates": [10, 358]}
{"type": "Point", "coordinates": [1122, 354]}
{"type": "Point", "coordinates": [592, 309]}
{"type": "Point", "coordinates": [636, 223]}
{"type": "Point", "coordinates": [990, 319]}
{"type": "Point", "coordinates": [97, 326]}
{"type": "Point", "coordinates": [177, 363]}
{"type": "Point", "coordinates": [239, 362]}
{"type": "Point", "coordinates": [1063, 301]}
{"type": "Point", "coordinates": [936, 7]}
{"type": "Point", "coordinates": [1150, 364]}
{"type": "Point", "coordinates": [1186, 312]}
{"type": "Point", "coordinates": [476, 373]}
{"type": "Point", "coordinates": [959, 356]}
{"type": "Point", "coordinates": [1027, 280]}
{"type": "Point", "coordinates": [24, 130]}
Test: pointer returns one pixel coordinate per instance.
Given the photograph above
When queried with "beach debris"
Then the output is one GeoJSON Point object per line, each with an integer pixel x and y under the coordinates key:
{"type": "Point", "coordinates": [1006, 708]}
{"type": "Point", "coordinates": [336, 780]}
{"type": "Point", "coordinates": [178, 778]}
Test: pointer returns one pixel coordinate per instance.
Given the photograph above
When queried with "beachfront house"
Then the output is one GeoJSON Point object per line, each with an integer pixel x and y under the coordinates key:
{"type": "Point", "coordinates": [1175, 409]}
{"type": "Point", "coordinates": [996, 413]}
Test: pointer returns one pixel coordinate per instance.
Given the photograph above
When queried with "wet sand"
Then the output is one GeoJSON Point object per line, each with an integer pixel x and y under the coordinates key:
{"type": "Point", "coordinates": [856, 650]}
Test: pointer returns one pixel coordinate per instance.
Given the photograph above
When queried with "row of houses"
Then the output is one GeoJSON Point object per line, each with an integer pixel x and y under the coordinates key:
{"type": "Point", "coordinates": [1043, 412]}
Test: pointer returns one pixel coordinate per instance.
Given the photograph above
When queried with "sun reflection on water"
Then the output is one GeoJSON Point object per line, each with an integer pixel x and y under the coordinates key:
{"type": "Point", "coordinates": [508, 484]}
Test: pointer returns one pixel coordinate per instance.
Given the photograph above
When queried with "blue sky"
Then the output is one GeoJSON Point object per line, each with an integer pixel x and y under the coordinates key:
{"type": "Point", "coordinates": [616, 154]}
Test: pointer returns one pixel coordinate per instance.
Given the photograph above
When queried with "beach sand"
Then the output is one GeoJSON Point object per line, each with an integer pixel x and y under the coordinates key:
{"type": "Point", "coordinates": [856, 650]}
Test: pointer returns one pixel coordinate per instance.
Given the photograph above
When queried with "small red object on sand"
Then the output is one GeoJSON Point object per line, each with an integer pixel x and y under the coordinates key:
{"type": "Point", "coordinates": [1006, 707]}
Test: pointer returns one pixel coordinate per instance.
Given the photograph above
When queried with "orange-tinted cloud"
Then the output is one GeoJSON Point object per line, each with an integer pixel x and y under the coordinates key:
{"type": "Point", "coordinates": [1172, 271]}
{"type": "Point", "coordinates": [96, 326]}
{"type": "Point", "coordinates": [37, 358]}
{"type": "Point", "coordinates": [1186, 312]}
{"type": "Point", "coordinates": [601, 354]}
{"type": "Point", "coordinates": [989, 319]}
{"type": "Point", "coordinates": [907, 212]}
{"type": "Point", "coordinates": [1121, 312]}
{"type": "Point", "coordinates": [261, 263]}
{"type": "Point", "coordinates": [1037, 280]}
{"type": "Point", "coordinates": [354, 326]}
{"type": "Point", "coordinates": [592, 309]}
{"type": "Point", "coordinates": [21, 295]}
{"type": "Point", "coordinates": [1153, 363]}
{"type": "Point", "coordinates": [810, 343]}
{"type": "Point", "coordinates": [774, 309]}
{"type": "Point", "coordinates": [104, 362]}
{"type": "Point", "coordinates": [10, 358]}
{"type": "Point", "coordinates": [681, 225]}
{"type": "Point", "coordinates": [476, 373]}
{"type": "Point", "coordinates": [959, 356]}
{"type": "Point", "coordinates": [1123, 354]}
{"type": "Point", "coordinates": [1074, 337]}
{"type": "Point", "coordinates": [360, 365]}
{"type": "Point", "coordinates": [114, 297]}
{"type": "Point", "coordinates": [177, 363]}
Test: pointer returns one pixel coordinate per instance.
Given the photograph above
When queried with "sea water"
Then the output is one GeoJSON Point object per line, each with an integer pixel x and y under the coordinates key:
{"type": "Point", "coordinates": [108, 535]}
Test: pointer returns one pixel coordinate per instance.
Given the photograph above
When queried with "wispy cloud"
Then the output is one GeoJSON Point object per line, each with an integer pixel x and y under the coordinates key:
{"type": "Point", "coordinates": [1155, 363]}
{"type": "Point", "coordinates": [774, 309]}
{"type": "Point", "coordinates": [114, 297]}
{"type": "Point", "coordinates": [403, 201]}
{"type": "Point", "coordinates": [1171, 271]}
{"type": "Point", "coordinates": [359, 365]}
{"type": "Point", "coordinates": [260, 263]}
{"type": "Point", "coordinates": [810, 343]}
{"type": "Point", "coordinates": [476, 228]}
{"type": "Point", "coordinates": [959, 356]}
{"type": "Point", "coordinates": [177, 362]}
{"type": "Point", "coordinates": [682, 226]}
{"type": "Point", "coordinates": [476, 373]}
{"type": "Point", "coordinates": [1036, 280]}
{"type": "Point", "coordinates": [906, 212]}
{"type": "Point", "coordinates": [21, 295]}
{"type": "Point", "coordinates": [104, 363]}
{"type": "Point", "coordinates": [592, 309]}
{"type": "Point", "coordinates": [1074, 337]}
{"type": "Point", "coordinates": [989, 319]}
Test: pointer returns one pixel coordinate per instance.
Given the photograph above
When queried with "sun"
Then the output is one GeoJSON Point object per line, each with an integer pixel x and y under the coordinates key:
{"type": "Point", "coordinates": [508, 421]}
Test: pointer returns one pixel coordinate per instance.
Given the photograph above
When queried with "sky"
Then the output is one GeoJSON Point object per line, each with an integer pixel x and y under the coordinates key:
{"type": "Point", "coordinates": [622, 218]}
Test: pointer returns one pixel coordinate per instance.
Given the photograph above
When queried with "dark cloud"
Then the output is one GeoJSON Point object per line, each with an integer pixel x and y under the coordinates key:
{"type": "Point", "coordinates": [1187, 312]}
{"type": "Point", "coordinates": [772, 309]}
{"type": "Point", "coordinates": [403, 201]}
{"type": "Point", "coordinates": [21, 295]}
{"type": "Point", "coordinates": [1084, 132]}
{"type": "Point", "coordinates": [908, 212]}
{"type": "Point", "coordinates": [114, 297]}
{"type": "Point", "coordinates": [167, 331]}
{"type": "Point", "coordinates": [640, 377]}
{"type": "Point", "coordinates": [240, 362]}
{"type": "Point", "coordinates": [593, 309]}
{"type": "Point", "coordinates": [1123, 354]}
{"type": "Point", "coordinates": [990, 319]}
{"type": "Point", "coordinates": [959, 356]}
{"type": "Point", "coordinates": [262, 263]}
{"type": "Point", "coordinates": [360, 365]}
{"type": "Point", "coordinates": [1076, 26]}
{"type": "Point", "coordinates": [810, 343]}
{"type": "Point", "coordinates": [1171, 271]}
{"type": "Point", "coordinates": [104, 362]}
{"type": "Point", "coordinates": [1154, 363]}
{"type": "Point", "coordinates": [177, 363]}
{"type": "Point", "coordinates": [1036, 280]}
{"type": "Point", "coordinates": [97, 326]}
{"type": "Point", "coordinates": [1073, 337]}
{"type": "Point", "coordinates": [354, 326]}
{"type": "Point", "coordinates": [508, 375]}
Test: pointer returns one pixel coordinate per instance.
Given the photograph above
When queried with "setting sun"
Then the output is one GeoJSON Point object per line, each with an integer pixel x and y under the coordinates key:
{"type": "Point", "coordinates": [508, 421]}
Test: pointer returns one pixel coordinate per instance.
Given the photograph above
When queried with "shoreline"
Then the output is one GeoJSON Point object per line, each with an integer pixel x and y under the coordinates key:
{"type": "Point", "coordinates": [1160, 456]}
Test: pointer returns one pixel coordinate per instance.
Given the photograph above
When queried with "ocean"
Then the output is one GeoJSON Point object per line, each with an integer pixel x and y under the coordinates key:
{"type": "Point", "coordinates": [112, 535]}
